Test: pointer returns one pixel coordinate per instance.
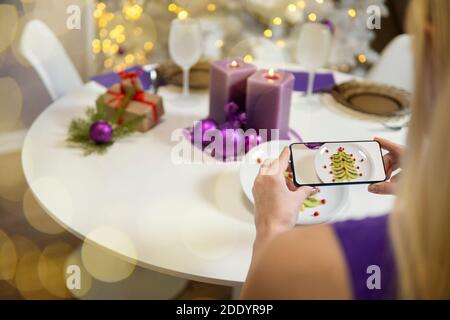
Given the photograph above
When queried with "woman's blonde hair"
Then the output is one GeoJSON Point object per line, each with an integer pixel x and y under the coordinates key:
{"type": "Point", "coordinates": [420, 225]}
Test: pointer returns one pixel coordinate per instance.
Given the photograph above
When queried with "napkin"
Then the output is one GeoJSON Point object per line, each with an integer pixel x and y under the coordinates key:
{"type": "Point", "coordinates": [111, 78]}
{"type": "Point", "coordinates": [322, 81]}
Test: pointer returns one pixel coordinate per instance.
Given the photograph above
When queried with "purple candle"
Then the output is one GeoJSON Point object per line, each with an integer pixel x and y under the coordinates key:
{"type": "Point", "coordinates": [269, 101]}
{"type": "Point", "coordinates": [228, 79]}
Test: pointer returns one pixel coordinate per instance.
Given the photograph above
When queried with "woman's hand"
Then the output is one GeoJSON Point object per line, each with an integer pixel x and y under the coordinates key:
{"type": "Point", "coordinates": [277, 200]}
{"type": "Point", "coordinates": [391, 163]}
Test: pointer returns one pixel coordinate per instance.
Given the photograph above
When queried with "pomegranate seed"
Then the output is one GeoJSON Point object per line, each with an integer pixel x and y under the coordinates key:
{"type": "Point", "coordinates": [324, 167]}
{"type": "Point", "coordinates": [316, 214]}
{"type": "Point", "coordinates": [323, 201]}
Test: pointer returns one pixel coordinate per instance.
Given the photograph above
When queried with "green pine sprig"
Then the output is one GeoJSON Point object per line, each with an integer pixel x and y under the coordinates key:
{"type": "Point", "coordinates": [79, 128]}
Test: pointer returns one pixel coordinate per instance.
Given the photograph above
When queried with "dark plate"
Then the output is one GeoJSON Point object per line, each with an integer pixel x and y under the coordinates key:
{"type": "Point", "coordinates": [372, 98]}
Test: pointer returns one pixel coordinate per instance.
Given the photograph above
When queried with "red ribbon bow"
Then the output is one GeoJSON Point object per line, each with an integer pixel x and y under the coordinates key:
{"type": "Point", "coordinates": [139, 96]}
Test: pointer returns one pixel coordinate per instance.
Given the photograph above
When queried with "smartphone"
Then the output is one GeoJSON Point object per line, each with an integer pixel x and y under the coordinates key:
{"type": "Point", "coordinates": [337, 163]}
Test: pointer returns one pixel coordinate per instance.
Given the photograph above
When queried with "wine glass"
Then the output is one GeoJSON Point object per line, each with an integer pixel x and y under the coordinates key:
{"type": "Point", "coordinates": [185, 46]}
{"type": "Point", "coordinates": [313, 49]}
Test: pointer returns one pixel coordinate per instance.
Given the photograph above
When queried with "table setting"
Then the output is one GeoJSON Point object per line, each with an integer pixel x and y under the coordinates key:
{"type": "Point", "coordinates": [168, 153]}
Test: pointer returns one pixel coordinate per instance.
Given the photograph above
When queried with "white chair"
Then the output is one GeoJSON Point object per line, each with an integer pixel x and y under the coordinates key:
{"type": "Point", "coordinates": [395, 66]}
{"type": "Point", "coordinates": [40, 46]}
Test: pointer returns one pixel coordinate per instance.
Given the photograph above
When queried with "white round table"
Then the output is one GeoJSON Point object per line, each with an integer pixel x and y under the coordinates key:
{"type": "Point", "coordinates": [187, 220]}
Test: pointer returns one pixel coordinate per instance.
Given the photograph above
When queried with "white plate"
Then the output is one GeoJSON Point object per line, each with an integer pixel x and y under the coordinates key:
{"type": "Point", "coordinates": [322, 162]}
{"type": "Point", "coordinates": [336, 196]}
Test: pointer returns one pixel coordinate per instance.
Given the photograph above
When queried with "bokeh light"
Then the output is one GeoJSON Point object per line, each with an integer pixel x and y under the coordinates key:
{"type": "Point", "coordinates": [52, 268]}
{"type": "Point", "coordinates": [8, 257]}
{"type": "Point", "coordinates": [8, 25]}
{"type": "Point", "coordinates": [37, 217]}
{"type": "Point", "coordinates": [12, 181]}
{"type": "Point", "coordinates": [12, 103]}
{"type": "Point", "coordinates": [102, 263]}
{"type": "Point", "coordinates": [26, 278]}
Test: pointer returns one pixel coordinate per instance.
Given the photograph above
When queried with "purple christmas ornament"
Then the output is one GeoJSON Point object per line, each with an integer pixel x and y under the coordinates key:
{"type": "Point", "coordinates": [243, 118]}
{"type": "Point", "coordinates": [252, 141]}
{"type": "Point", "coordinates": [201, 128]}
{"type": "Point", "coordinates": [101, 132]}
{"type": "Point", "coordinates": [232, 143]}
{"type": "Point", "coordinates": [329, 24]}
{"type": "Point", "coordinates": [231, 109]}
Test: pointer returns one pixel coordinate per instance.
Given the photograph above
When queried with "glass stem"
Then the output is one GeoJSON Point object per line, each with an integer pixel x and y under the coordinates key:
{"type": "Point", "coordinates": [311, 76]}
{"type": "Point", "coordinates": [185, 82]}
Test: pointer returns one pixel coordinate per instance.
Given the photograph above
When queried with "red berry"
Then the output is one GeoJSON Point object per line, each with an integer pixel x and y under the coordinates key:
{"type": "Point", "coordinates": [323, 201]}
{"type": "Point", "coordinates": [258, 160]}
{"type": "Point", "coordinates": [324, 167]}
{"type": "Point", "coordinates": [326, 151]}
{"type": "Point", "coordinates": [360, 174]}
{"type": "Point", "coordinates": [357, 167]}
{"type": "Point", "coordinates": [362, 160]}
{"type": "Point", "coordinates": [334, 180]}
{"type": "Point", "coordinates": [351, 155]}
{"type": "Point", "coordinates": [331, 172]}
{"type": "Point", "coordinates": [316, 214]}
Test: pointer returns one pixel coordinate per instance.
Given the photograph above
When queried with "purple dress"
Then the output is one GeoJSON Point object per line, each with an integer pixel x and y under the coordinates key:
{"type": "Point", "coordinates": [366, 246]}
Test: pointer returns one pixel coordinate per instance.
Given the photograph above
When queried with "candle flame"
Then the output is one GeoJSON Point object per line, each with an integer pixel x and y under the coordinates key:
{"type": "Point", "coordinates": [234, 64]}
{"type": "Point", "coordinates": [271, 73]}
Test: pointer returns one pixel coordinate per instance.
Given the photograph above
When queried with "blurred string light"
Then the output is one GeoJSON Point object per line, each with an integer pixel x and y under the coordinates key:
{"type": "Point", "coordinates": [268, 33]}
{"type": "Point", "coordinates": [115, 29]}
{"type": "Point", "coordinates": [211, 7]}
{"type": "Point", "coordinates": [351, 12]}
{"type": "Point", "coordinates": [183, 14]}
{"type": "Point", "coordinates": [248, 58]}
{"type": "Point", "coordinates": [277, 21]}
{"type": "Point", "coordinates": [312, 17]}
{"type": "Point", "coordinates": [132, 10]}
{"type": "Point", "coordinates": [362, 58]}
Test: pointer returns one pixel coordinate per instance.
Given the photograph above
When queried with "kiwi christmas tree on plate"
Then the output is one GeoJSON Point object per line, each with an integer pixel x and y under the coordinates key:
{"type": "Point", "coordinates": [343, 166]}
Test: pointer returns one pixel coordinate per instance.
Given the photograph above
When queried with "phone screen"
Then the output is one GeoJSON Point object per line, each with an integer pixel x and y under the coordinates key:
{"type": "Point", "coordinates": [331, 163]}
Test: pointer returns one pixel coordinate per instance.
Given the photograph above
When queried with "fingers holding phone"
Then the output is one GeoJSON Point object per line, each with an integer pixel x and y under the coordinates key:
{"type": "Point", "coordinates": [391, 163]}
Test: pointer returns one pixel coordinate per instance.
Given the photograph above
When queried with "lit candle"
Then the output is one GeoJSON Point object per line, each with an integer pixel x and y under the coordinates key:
{"type": "Point", "coordinates": [228, 79]}
{"type": "Point", "coordinates": [271, 75]}
{"type": "Point", "coordinates": [269, 101]}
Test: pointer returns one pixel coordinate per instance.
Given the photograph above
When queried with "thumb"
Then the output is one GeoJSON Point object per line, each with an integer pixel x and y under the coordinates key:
{"type": "Point", "coordinates": [304, 192]}
{"type": "Point", "coordinates": [382, 188]}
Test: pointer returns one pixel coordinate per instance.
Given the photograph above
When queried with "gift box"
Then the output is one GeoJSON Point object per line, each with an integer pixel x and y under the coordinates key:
{"type": "Point", "coordinates": [130, 101]}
